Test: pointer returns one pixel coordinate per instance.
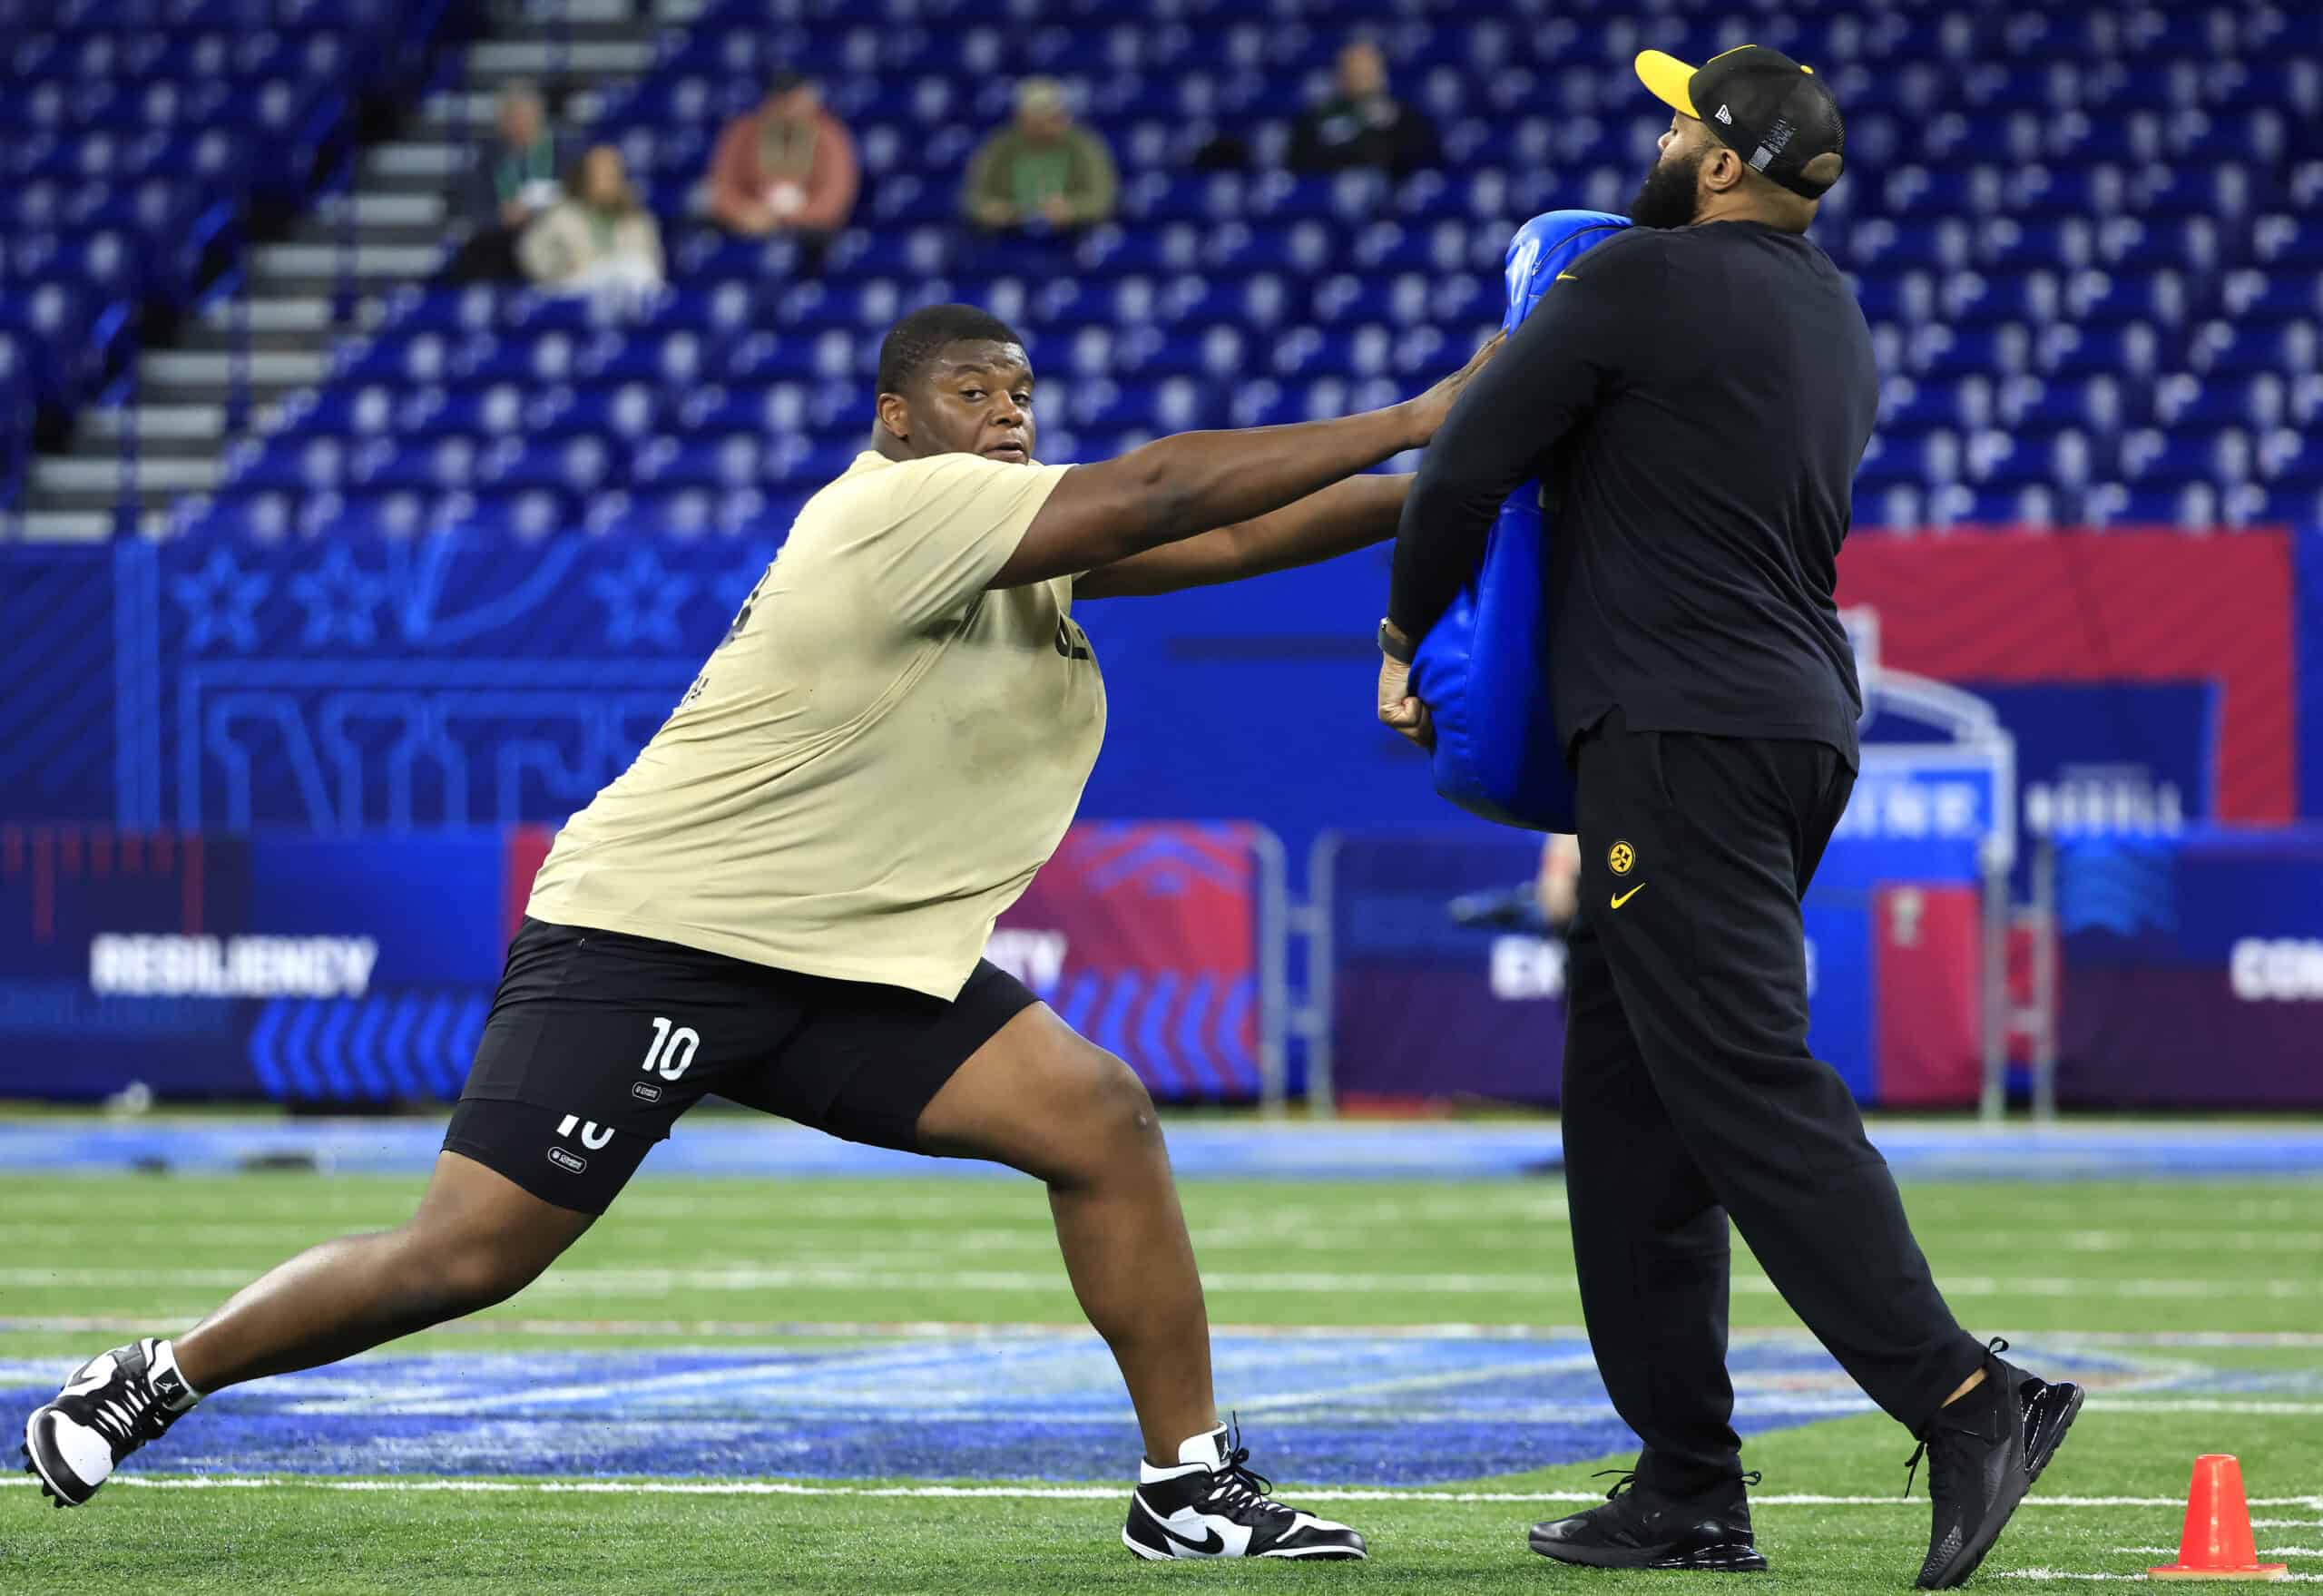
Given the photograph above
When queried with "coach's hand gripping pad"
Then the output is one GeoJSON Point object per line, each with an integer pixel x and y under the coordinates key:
{"type": "Point", "coordinates": [1482, 670]}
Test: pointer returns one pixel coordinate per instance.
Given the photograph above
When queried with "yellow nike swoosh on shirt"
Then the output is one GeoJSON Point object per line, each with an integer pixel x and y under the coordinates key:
{"type": "Point", "coordinates": [1565, 277]}
{"type": "Point", "coordinates": [1632, 893]}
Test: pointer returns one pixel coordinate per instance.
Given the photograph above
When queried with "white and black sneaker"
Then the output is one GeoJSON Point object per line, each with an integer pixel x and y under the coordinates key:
{"type": "Point", "coordinates": [112, 1405]}
{"type": "Point", "coordinates": [1212, 1506]}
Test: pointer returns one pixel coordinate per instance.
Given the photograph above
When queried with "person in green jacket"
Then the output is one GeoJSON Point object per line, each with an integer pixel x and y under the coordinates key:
{"type": "Point", "coordinates": [1041, 169]}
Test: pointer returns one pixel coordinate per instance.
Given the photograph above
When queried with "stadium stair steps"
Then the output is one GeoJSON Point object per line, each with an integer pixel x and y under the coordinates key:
{"type": "Point", "coordinates": [402, 214]}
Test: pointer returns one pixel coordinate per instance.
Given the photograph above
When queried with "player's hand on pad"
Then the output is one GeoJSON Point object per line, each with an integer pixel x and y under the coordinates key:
{"type": "Point", "coordinates": [1397, 706]}
{"type": "Point", "coordinates": [1429, 410]}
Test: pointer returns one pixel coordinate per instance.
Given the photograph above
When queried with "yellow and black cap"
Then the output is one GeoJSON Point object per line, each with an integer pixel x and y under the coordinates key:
{"type": "Point", "coordinates": [1767, 108]}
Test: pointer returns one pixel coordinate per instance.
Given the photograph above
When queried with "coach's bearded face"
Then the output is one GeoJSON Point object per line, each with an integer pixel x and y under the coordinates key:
{"type": "Point", "coordinates": [1671, 195]}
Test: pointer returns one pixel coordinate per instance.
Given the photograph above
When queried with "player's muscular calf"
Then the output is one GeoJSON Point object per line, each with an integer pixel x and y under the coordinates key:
{"type": "Point", "coordinates": [1098, 1145]}
{"type": "Point", "coordinates": [477, 1240]}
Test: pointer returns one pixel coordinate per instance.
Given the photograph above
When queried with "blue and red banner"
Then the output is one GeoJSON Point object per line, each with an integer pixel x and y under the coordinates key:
{"type": "Point", "coordinates": [1426, 1008]}
{"type": "Point", "coordinates": [2193, 970]}
{"type": "Point", "coordinates": [2149, 678]}
{"type": "Point", "coordinates": [313, 968]}
{"type": "Point", "coordinates": [1145, 938]}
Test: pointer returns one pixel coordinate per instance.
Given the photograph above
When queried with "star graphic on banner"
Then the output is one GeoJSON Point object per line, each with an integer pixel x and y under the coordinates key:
{"type": "Point", "coordinates": [641, 599]}
{"type": "Point", "coordinates": [339, 597]}
{"type": "Point", "coordinates": [218, 600]}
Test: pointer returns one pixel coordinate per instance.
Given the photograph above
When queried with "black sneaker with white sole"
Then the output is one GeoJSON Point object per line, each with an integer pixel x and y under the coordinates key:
{"type": "Point", "coordinates": [112, 1405]}
{"type": "Point", "coordinates": [1984, 1452]}
{"type": "Point", "coordinates": [1212, 1506]}
{"type": "Point", "coordinates": [1641, 1527]}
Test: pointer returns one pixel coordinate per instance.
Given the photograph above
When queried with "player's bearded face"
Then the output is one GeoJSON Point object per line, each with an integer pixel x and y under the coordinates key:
{"type": "Point", "coordinates": [1671, 194]}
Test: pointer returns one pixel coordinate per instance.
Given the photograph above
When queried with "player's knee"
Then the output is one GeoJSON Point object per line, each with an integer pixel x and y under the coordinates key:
{"type": "Point", "coordinates": [1118, 1116]}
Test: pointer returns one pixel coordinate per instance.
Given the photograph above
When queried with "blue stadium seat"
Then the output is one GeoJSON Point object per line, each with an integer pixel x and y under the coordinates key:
{"type": "Point", "coordinates": [442, 311]}
{"type": "Point", "coordinates": [441, 466]}
{"type": "Point", "coordinates": [2069, 227]}
{"type": "Point", "coordinates": [2228, 349]}
{"type": "Point", "coordinates": [531, 517]}
{"type": "Point", "coordinates": [1907, 406]}
{"type": "Point", "coordinates": [2068, 351]}
{"type": "Point", "coordinates": [2287, 243]}
{"type": "Point", "coordinates": [2112, 297]}
{"type": "Point", "coordinates": [578, 464]}
{"type": "Point", "coordinates": [2152, 458]}
{"type": "Point", "coordinates": [2023, 243]}
{"type": "Point", "coordinates": [2291, 457]}
{"type": "Point", "coordinates": [762, 356]}
{"type": "Point", "coordinates": [482, 412]}
{"type": "Point", "coordinates": [701, 461]}
{"type": "Point", "coordinates": [372, 409]}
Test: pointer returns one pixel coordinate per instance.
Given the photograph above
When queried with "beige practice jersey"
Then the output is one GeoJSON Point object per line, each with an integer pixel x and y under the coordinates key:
{"type": "Point", "coordinates": [876, 759]}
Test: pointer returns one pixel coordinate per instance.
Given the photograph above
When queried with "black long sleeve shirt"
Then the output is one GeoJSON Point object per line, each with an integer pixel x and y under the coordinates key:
{"type": "Point", "coordinates": [1695, 402]}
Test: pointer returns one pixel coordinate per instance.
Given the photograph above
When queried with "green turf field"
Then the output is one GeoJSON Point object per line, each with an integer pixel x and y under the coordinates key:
{"type": "Point", "coordinates": [2212, 1291]}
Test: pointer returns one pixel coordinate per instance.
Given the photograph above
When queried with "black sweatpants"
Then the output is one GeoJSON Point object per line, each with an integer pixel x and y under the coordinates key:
{"type": "Point", "coordinates": [1689, 1097]}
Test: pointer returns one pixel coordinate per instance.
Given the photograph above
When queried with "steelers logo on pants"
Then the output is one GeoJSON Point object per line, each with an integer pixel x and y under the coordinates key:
{"type": "Point", "coordinates": [1622, 858]}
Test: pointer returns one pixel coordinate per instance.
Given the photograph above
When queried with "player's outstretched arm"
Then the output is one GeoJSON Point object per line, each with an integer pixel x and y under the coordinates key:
{"type": "Point", "coordinates": [1338, 520]}
{"type": "Point", "coordinates": [1177, 487]}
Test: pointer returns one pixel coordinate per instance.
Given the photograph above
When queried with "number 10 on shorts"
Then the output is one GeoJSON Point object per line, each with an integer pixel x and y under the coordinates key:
{"type": "Point", "coordinates": [673, 1049]}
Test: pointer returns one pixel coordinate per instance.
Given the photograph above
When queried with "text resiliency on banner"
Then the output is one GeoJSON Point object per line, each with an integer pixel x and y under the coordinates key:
{"type": "Point", "coordinates": [232, 966]}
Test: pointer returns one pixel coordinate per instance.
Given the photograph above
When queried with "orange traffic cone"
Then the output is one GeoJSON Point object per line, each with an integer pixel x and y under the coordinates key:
{"type": "Point", "coordinates": [2216, 1543]}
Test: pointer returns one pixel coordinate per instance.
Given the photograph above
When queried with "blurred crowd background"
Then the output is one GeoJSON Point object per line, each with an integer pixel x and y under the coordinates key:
{"type": "Point", "coordinates": [397, 396]}
{"type": "Point", "coordinates": [2086, 236]}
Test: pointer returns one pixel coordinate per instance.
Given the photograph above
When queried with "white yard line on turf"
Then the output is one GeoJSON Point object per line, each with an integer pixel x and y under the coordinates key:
{"type": "Point", "coordinates": [1026, 1492]}
{"type": "Point", "coordinates": [2058, 1573]}
{"type": "Point", "coordinates": [2146, 1404]}
{"type": "Point", "coordinates": [2263, 1551]}
{"type": "Point", "coordinates": [1270, 1235]}
{"type": "Point", "coordinates": [650, 1282]}
{"type": "Point", "coordinates": [108, 1321]}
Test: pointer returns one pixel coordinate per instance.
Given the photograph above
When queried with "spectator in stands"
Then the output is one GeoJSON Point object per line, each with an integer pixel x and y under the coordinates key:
{"type": "Point", "coordinates": [1361, 124]}
{"type": "Point", "coordinates": [788, 166]}
{"type": "Point", "coordinates": [512, 178]}
{"type": "Point", "coordinates": [1041, 170]}
{"type": "Point", "coordinates": [599, 238]}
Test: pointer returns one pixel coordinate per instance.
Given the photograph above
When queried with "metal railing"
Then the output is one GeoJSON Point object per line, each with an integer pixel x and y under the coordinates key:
{"type": "Point", "coordinates": [2007, 1022]}
{"type": "Point", "coordinates": [1310, 1020]}
{"type": "Point", "coordinates": [1274, 913]}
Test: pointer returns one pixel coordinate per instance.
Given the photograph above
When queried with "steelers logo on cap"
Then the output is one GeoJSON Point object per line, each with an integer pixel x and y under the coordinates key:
{"type": "Point", "coordinates": [1622, 858]}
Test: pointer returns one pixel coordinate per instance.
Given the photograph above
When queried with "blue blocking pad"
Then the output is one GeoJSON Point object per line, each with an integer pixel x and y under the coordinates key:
{"type": "Point", "coordinates": [1482, 670]}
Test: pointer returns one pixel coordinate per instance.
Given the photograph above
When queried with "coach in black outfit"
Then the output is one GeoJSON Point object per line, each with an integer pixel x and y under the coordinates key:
{"type": "Point", "coordinates": [1695, 395]}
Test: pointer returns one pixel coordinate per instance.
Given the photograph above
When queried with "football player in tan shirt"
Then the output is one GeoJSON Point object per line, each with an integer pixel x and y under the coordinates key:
{"type": "Point", "coordinates": [786, 898]}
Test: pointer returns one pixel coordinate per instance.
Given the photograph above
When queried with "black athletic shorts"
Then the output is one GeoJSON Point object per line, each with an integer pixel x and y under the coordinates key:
{"type": "Point", "coordinates": [597, 1041]}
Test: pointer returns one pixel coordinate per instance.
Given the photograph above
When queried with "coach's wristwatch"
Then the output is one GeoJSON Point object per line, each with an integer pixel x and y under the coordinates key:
{"type": "Point", "coordinates": [1395, 644]}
